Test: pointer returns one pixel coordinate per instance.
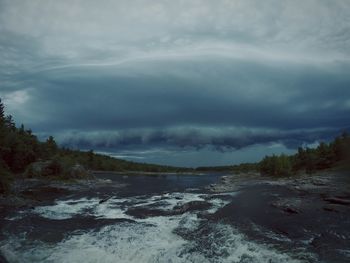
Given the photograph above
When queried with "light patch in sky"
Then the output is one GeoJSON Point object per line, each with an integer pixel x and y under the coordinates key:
{"type": "Point", "coordinates": [203, 157]}
{"type": "Point", "coordinates": [15, 100]}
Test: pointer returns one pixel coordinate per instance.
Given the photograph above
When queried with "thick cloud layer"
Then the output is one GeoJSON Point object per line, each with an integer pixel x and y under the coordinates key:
{"type": "Point", "coordinates": [210, 77]}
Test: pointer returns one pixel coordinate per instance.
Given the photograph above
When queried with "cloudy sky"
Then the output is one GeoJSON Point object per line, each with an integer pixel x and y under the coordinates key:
{"type": "Point", "coordinates": [188, 83]}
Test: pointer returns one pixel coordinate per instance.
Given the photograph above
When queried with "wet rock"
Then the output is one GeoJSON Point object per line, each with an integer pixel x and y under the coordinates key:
{"type": "Point", "coordinates": [148, 211]}
{"type": "Point", "coordinates": [39, 168]}
{"type": "Point", "coordinates": [191, 206]}
{"type": "Point", "coordinates": [336, 208]}
{"type": "Point", "coordinates": [204, 215]}
{"type": "Point", "coordinates": [338, 201]}
{"type": "Point", "coordinates": [291, 210]}
{"type": "Point", "coordinates": [44, 193]}
{"type": "Point", "coordinates": [319, 182]}
{"type": "Point", "coordinates": [288, 205]}
{"type": "Point", "coordinates": [143, 212]}
{"type": "Point", "coordinates": [225, 179]}
{"type": "Point", "coordinates": [12, 202]}
{"type": "Point", "coordinates": [78, 171]}
{"type": "Point", "coordinates": [2, 258]}
{"type": "Point", "coordinates": [55, 230]}
{"type": "Point", "coordinates": [104, 200]}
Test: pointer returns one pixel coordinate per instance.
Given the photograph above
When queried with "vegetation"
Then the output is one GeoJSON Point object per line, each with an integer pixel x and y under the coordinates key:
{"type": "Point", "coordinates": [308, 160]}
{"type": "Point", "coordinates": [326, 155]}
{"type": "Point", "coordinates": [238, 168]}
{"type": "Point", "coordinates": [22, 153]}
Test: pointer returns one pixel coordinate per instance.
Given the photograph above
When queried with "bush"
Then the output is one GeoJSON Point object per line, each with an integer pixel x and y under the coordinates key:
{"type": "Point", "coordinates": [276, 165]}
{"type": "Point", "coordinates": [5, 179]}
{"type": "Point", "coordinates": [54, 168]}
{"type": "Point", "coordinates": [4, 185]}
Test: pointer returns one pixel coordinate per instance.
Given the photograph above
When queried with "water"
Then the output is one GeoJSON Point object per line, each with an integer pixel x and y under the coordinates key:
{"type": "Point", "coordinates": [97, 225]}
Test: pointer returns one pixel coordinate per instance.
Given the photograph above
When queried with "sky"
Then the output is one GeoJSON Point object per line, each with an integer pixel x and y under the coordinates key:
{"type": "Point", "coordinates": [186, 83]}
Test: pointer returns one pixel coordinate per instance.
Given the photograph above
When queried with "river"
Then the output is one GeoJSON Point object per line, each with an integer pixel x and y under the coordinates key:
{"type": "Point", "coordinates": [139, 218]}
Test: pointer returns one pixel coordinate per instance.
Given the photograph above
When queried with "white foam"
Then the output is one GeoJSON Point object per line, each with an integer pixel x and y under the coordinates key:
{"type": "Point", "coordinates": [66, 209]}
{"type": "Point", "coordinates": [153, 239]}
{"type": "Point", "coordinates": [111, 209]}
{"type": "Point", "coordinates": [217, 204]}
{"type": "Point", "coordinates": [152, 242]}
{"type": "Point", "coordinates": [227, 239]}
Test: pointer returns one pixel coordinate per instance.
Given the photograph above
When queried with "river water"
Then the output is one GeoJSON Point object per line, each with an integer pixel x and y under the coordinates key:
{"type": "Point", "coordinates": [137, 219]}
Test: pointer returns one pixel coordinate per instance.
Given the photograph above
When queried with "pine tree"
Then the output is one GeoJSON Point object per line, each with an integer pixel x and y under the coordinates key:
{"type": "Point", "coordinates": [91, 159]}
{"type": "Point", "coordinates": [51, 146]}
{"type": "Point", "coordinates": [2, 112]}
{"type": "Point", "coordinates": [10, 123]}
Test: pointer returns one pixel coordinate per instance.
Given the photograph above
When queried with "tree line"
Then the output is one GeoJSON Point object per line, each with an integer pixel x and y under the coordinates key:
{"type": "Point", "coordinates": [326, 155]}
{"type": "Point", "coordinates": [308, 160]}
{"type": "Point", "coordinates": [20, 149]}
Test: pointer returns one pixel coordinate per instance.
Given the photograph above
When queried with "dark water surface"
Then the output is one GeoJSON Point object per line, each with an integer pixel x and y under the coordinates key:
{"type": "Point", "coordinates": [155, 184]}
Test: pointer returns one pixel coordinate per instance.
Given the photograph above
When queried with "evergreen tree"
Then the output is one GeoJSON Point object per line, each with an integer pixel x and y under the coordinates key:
{"type": "Point", "coordinates": [51, 147]}
{"type": "Point", "coordinates": [91, 159]}
{"type": "Point", "coordinates": [10, 123]}
{"type": "Point", "coordinates": [2, 113]}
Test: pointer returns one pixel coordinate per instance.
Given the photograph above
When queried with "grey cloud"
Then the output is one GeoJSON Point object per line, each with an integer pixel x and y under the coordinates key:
{"type": "Point", "coordinates": [228, 139]}
{"type": "Point", "coordinates": [193, 92]}
{"type": "Point", "coordinates": [79, 29]}
{"type": "Point", "coordinates": [158, 73]}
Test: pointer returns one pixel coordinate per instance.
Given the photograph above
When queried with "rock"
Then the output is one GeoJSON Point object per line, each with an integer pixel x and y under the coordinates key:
{"type": "Point", "coordinates": [43, 193]}
{"type": "Point", "coordinates": [338, 201]}
{"type": "Point", "coordinates": [191, 206]}
{"type": "Point", "coordinates": [319, 182]}
{"type": "Point", "coordinates": [146, 211]}
{"type": "Point", "coordinates": [40, 168]}
{"type": "Point", "coordinates": [288, 205]}
{"type": "Point", "coordinates": [204, 215]}
{"type": "Point", "coordinates": [16, 202]}
{"type": "Point", "coordinates": [78, 171]}
{"type": "Point", "coordinates": [225, 179]}
{"type": "Point", "coordinates": [291, 210]}
{"type": "Point", "coordinates": [2, 258]}
{"type": "Point", "coordinates": [104, 200]}
{"type": "Point", "coordinates": [335, 208]}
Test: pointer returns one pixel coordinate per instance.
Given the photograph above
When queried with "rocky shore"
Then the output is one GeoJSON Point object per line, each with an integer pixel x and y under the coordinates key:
{"type": "Point", "coordinates": [31, 192]}
{"type": "Point", "coordinates": [304, 212]}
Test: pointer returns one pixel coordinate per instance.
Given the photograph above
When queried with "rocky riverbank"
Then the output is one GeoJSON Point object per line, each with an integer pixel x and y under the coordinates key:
{"type": "Point", "coordinates": [30, 192]}
{"type": "Point", "coordinates": [304, 213]}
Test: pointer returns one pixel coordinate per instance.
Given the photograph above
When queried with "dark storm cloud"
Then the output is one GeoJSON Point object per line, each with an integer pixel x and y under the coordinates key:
{"type": "Point", "coordinates": [243, 94]}
{"type": "Point", "coordinates": [193, 138]}
{"type": "Point", "coordinates": [198, 74]}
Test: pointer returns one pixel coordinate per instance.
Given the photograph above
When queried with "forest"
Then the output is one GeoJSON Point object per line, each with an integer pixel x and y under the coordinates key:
{"type": "Point", "coordinates": [21, 153]}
